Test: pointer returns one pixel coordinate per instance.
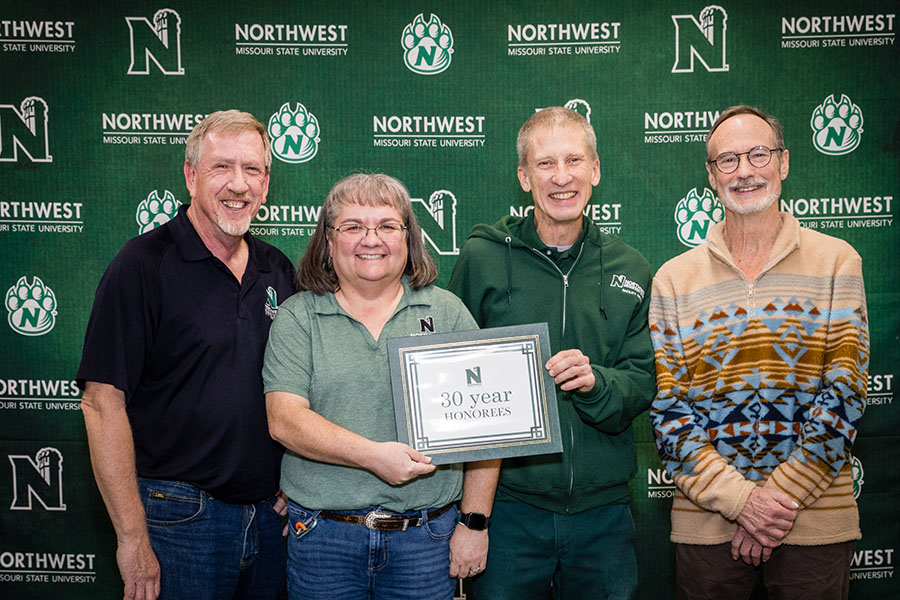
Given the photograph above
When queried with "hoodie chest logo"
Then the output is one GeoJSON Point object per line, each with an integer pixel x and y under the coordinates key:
{"type": "Point", "coordinates": [626, 285]}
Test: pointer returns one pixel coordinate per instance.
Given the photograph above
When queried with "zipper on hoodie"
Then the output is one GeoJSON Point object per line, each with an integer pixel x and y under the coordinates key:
{"type": "Point", "coordinates": [565, 277]}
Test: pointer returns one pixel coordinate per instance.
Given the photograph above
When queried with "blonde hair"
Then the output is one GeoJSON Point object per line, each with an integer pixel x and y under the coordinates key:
{"type": "Point", "coordinates": [228, 122]}
{"type": "Point", "coordinates": [554, 116]}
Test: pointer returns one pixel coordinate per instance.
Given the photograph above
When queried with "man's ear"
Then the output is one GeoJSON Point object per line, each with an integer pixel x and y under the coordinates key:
{"type": "Point", "coordinates": [712, 177]}
{"type": "Point", "coordinates": [524, 181]}
{"type": "Point", "coordinates": [190, 176]}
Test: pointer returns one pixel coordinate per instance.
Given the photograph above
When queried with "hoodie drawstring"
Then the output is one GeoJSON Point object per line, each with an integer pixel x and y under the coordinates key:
{"type": "Point", "coordinates": [508, 270]}
{"type": "Point", "coordinates": [602, 287]}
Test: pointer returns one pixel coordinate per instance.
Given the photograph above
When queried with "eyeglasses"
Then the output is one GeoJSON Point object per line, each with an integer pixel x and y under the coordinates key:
{"type": "Point", "coordinates": [385, 231]}
{"type": "Point", "coordinates": [728, 162]}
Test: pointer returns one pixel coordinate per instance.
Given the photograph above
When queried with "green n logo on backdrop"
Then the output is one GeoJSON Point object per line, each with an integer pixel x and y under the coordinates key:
{"type": "Point", "coordinates": [159, 41]}
{"type": "Point", "coordinates": [437, 217]}
{"type": "Point", "coordinates": [24, 128]}
{"type": "Point", "coordinates": [703, 40]}
{"type": "Point", "coordinates": [39, 479]}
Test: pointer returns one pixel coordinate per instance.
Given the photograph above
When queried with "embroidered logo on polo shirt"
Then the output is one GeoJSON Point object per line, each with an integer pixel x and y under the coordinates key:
{"type": "Point", "coordinates": [627, 286]}
{"type": "Point", "coordinates": [271, 305]}
{"type": "Point", "coordinates": [426, 325]}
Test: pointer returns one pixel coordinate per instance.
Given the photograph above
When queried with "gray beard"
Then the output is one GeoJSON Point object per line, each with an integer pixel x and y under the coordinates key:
{"type": "Point", "coordinates": [234, 229]}
{"type": "Point", "coordinates": [748, 209]}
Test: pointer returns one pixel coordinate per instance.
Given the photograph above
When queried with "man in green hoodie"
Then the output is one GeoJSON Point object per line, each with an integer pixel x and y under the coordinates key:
{"type": "Point", "coordinates": [564, 518]}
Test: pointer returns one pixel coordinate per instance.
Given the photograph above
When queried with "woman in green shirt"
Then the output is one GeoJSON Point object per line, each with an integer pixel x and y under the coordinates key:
{"type": "Point", "coordinates": [371, 517]}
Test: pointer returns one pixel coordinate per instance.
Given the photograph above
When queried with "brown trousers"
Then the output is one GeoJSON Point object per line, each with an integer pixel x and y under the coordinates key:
{"type": "Point", "coordinates": [792, 573]}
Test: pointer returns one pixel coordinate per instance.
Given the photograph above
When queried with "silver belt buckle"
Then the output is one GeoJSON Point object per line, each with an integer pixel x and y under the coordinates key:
{"type": "Point", "coordinates": [374, 516]}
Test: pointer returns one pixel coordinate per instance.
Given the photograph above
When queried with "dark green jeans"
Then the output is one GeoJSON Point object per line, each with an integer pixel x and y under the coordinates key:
{"type": "Point", "coordinates": [537, 554]}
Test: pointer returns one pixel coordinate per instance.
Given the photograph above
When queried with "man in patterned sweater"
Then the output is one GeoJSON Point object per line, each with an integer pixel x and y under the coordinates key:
{"type": "Point", "coordinates": [762, 352]}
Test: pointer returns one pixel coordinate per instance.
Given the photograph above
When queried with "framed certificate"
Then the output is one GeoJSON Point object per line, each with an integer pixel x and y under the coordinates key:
{"type": "Point", "coordinates": [475, 395]}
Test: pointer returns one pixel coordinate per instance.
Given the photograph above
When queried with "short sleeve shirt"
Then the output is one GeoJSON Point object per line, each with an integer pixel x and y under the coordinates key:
{"type": "Point", "coordinates": [174, 329]}
{"type": "Point", "coordinates": [318, 351]}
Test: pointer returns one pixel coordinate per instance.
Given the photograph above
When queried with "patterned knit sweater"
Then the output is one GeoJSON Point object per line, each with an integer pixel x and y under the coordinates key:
{"type": "Point", "coordinates": [761, 383]}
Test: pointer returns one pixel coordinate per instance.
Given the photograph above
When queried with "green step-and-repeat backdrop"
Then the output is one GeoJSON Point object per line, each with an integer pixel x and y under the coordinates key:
{"type": "Point", "coordinates": [97, 99]}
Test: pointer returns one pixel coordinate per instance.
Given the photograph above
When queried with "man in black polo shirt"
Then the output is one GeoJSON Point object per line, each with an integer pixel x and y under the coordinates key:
{"type": "Point", "coordinates": [173, 400]}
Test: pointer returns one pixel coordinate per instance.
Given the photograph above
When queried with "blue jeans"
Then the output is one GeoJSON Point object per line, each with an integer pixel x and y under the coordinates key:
{"type": "Point", "coordinates": [587, 555]}
{"type": "Point", "coordinates": [333, 560]}
{"type": "Point", "coordinates": [209, 549]}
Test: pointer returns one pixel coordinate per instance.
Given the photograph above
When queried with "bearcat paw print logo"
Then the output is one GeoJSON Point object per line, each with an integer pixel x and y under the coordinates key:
{"type": "Point", "coordinates": [837, 126]}
{"type": "Point", "coordinates": [695, 214]}
{"type": "Point", "coordinates": [153, 211]}
{"type": "Point", "coordinates": [294, 133]}
{"type": "Point", "coordinates": [427, 45]}
{"type": "Point", "coordinates": [31, 307]}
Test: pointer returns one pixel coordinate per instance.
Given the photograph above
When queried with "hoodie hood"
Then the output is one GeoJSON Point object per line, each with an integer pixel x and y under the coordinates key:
{"type": "Point", "coordinates": [509, 230]}
{"type": "Point", "coordinates": [505, 232]}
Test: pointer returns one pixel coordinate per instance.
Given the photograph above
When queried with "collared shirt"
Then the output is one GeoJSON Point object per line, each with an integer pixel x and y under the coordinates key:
{"type": "Point", "coordinates": [318, 351]}
{"type": "Point", "coordinates": [174, 329]}
{"type": "Point", "coordinates": [564, 259]}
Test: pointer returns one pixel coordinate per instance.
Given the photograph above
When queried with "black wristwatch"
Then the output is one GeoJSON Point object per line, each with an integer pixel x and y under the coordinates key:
{"type": "Point", "coordinates": [474, 521]}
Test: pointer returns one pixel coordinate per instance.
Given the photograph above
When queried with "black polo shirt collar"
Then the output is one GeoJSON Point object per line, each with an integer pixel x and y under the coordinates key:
{"type": "Point", "coordinates": [191, 247]}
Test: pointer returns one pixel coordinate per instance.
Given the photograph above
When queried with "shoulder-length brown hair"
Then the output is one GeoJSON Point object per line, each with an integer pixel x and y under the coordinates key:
{"type": "Point", "coordinates": [316, 271]}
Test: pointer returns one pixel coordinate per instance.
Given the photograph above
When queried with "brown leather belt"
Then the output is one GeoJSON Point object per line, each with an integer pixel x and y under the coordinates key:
{"type": "Point", "coordinates": [383, 520]}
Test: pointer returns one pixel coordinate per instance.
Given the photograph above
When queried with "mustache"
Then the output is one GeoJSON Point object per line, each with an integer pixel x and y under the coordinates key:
{"type": "Point", "coordinates": [748, 181]}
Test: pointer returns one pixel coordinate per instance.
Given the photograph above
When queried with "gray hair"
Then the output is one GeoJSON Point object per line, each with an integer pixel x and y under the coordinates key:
{"type": "Point", "coordinates": [744, 109]}
{"type": "Point", "coordinates": [554, 116]}
{"type": "Point", "coordinates": [228, 122]}
{"type": "Point", "coordinates": [316, 271]}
